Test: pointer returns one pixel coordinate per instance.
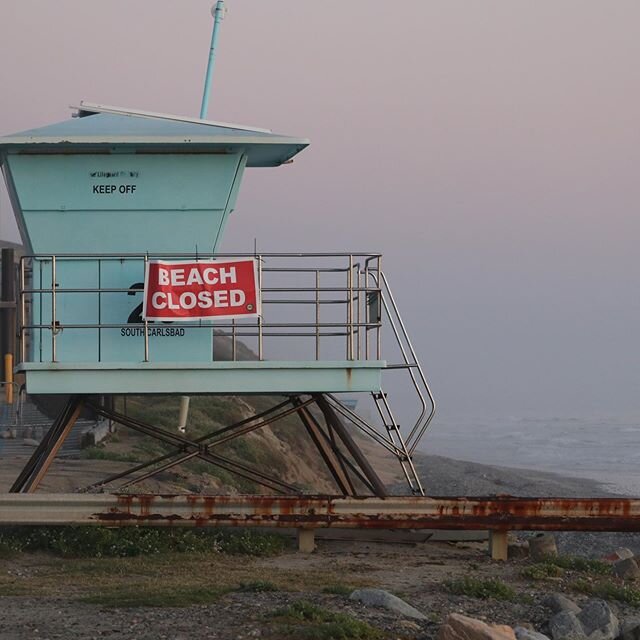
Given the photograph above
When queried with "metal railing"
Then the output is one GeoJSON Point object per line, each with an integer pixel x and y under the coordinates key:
{"type": "Point", "coordinates": [338, 298]}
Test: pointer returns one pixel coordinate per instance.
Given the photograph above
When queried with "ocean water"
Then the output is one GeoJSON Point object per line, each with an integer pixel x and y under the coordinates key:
{"type": "Point", "coordinates": [605, 450]}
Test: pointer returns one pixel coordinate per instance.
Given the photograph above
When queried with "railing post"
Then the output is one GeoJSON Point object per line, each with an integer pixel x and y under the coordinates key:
{"type": "Point", "coordinates": [379, 327]}
{"type": "Point", "coordinates": [99, 310]}
{"type": "Point", "coordinates": [260, 353]}
{"type": "Point", "coordinates": [53, 310]}
{"type": "Point", "coordinates": [367, 314]}
{"type": "Point", "coordinates": [358, 296]}
{"type": "Point", "coordinates": [234, 345]}
{"type": "Point", "coordinates": [350, 310]}
{"type": "Point", "coordinates": [146, 322]}
{"type": "Point", "coordinates": [23, 314]}
{"type": "Point", "coordinates": [317, 314]}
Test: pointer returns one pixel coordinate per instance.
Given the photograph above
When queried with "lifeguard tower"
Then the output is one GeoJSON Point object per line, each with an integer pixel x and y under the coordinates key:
{"type": "Point", "coordinates": [101, 197]}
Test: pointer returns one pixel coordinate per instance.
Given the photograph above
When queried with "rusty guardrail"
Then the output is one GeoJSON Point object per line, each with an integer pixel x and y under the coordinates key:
{"type": "Point", "coordinates": [305, 513]}
{"type": "Point", "coordinates": [492, 513]}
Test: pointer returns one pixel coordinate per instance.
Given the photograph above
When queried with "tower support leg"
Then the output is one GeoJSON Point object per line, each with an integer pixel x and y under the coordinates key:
{"type": "Point", "coordinates": [340, 430]}
{"type": "Point", "coordinates": [38, 465]}
{"type": "Point", "coordinates": [328, 455]}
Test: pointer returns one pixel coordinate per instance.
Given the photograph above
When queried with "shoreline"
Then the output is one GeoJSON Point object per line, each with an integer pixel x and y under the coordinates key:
{"type": "Point", "coordinates": [445, 476]}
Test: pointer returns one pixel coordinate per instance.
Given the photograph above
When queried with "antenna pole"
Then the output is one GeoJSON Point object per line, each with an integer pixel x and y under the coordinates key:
{"type": "Point", "coordinates": [218, 12]}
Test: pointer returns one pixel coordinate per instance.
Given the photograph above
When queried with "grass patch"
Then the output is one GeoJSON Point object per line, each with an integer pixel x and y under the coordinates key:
{"type": "Point", "coordinates": [13, 589]}
{"type": "Point", "coordinates": [46, 575]}
{"type": "Point", "coordinates": [310, 622]}
{"type": "Point", "coordinates": [583, 565]}
{"type": "Point", "coordinates": [338, 590]}
{"type": "Point", "coordinates": [609, 591]}
{"type": "Point", "coordinates": [542, 571]}
{"type": "Point", "coordinates": [479, 588]}
{"type": "Point", "coordinates": [257, 586]}
{"type": "Point", "coordinates": [556, 566]}
{"type": "Point", "coordinates": [101, 542]}
{"type": "Point", "coordinates": [129, 597]}
{"type": "Point", "coordinates": [100, 453]}
{"type": "Point", "coordinates": [251, 543]}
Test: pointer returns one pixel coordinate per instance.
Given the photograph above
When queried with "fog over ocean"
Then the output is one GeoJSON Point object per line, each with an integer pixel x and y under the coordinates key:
{"type": "Point", "coordinates": [605, 450]}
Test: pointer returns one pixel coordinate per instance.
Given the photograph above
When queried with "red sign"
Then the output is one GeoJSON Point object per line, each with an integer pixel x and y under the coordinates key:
{"type": "Point", "coordinates": [201, 290]}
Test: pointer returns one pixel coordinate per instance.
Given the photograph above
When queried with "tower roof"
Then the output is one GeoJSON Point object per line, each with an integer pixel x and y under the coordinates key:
{"type": "Point", "coordinates": [99, 126]}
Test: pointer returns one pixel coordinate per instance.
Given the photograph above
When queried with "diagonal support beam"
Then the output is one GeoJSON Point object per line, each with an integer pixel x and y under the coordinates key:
{"type": "Point", "coordinates": [192, 448]}
{"type": "Point", "coordinates": [360, 459]}
{"type": "Point", "coordinates": [41, 459]}
{"type": "Point", "coordinates": [328, 455]}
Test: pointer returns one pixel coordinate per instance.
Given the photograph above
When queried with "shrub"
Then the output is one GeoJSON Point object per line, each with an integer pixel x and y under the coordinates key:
{"type": "Point", "coordinates": [575, 563]}
{"type": "Point", "coordinates": [97, 542]}
{"type": "Point", "coordinates": [479, 588]}
{"type": "Point", "coordinates": [315, 623]}
{"type": "Point", "coordinates": [609, 591]}
{"type": "Point", "coordinates": [542, 571]}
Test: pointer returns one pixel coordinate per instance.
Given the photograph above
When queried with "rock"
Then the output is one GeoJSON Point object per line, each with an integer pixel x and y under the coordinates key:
{"type": "Point", "coordinates": [598, 621]}
{"type": "Point", "coordinates": [630, 631]}
{"type": "Point", "coordinates": [528, 634]}
{"type": "Point", "coordinates": [566, 626]}
{"type": "Point", "coordinates": [518, 550]}
{"type": "Point", "coordinates": [542, 546]}
{"type": "Point", "coordinates": [627, 568]}
{"type": "Point", "coordinates": [619, 554]}
{"type": "Point", "coordinates": [459, 627]}
{"type": "Point", "coordinates": [386, 600]}
{"type": "Point", "coordinates": [558, 602]}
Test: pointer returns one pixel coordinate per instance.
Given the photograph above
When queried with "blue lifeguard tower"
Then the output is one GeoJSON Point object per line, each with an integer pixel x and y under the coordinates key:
{"type": "Point", "coordinates": [97, 198]}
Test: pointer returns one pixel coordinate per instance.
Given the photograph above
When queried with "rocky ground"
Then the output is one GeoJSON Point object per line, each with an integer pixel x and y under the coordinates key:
{"type": "Point", "coordinates": [322, 595]}
{"type": "Point", "coordinates": [290, 595]}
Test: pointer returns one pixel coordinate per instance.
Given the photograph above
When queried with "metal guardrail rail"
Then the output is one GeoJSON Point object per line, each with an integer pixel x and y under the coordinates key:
{"type": "Point", "coordinates": [402, 512]}
{"type": "Point", "coordinates": [496, 514]}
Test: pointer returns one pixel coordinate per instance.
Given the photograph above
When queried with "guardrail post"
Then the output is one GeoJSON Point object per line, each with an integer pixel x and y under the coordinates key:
{"type": "Point", "coordinates": [498, 545]}
{"type": "Point", "coordinates": [306, 540]}
{"type": "Point", "coordinates": [8, 376]}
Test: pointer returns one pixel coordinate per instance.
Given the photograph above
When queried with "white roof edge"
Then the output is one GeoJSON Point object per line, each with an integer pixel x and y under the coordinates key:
{"type": "Point", "coordinates": [114, 139]}
{"type": "Point", "coordinates": [90, 107]}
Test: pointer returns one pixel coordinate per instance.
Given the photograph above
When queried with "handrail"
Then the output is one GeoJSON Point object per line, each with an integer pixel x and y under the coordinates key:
{"type": "Point", "coordinates": [410, 363]}
{"type": "Point", "coordinates": [415, 364]}
{"type": "Point", "coordinates": [329, 295]}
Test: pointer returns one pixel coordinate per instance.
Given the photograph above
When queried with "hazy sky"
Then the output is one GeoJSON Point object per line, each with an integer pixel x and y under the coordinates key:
{"type": "Point", "coordinates": [489, 149]}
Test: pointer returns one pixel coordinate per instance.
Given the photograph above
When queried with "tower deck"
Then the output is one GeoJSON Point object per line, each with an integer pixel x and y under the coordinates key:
{"type": "Point", "coordinates": [281, 377]}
